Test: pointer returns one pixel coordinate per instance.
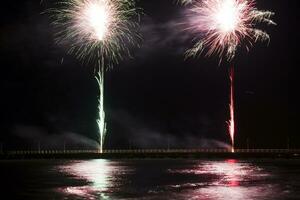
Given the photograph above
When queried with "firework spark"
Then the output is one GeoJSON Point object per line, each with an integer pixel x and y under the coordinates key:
{"type": "Point", "coordinates": [224, 25]}
{"type": "Point", "coordinates": [98, 32]}
{"type": "Point", "coordinates": [221, 26]}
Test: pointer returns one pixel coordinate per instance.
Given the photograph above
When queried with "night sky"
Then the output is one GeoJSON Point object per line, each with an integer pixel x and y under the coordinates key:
{"type": "Point", "coordinates": [151, 100]}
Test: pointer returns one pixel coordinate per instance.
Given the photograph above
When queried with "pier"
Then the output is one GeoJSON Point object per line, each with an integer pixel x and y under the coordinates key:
{"type": "Point", "coordinates": [152, 153]}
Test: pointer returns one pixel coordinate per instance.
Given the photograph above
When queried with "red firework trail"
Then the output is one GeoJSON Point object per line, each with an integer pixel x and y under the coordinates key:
{"type": "Point", "coordinates": [231, 123]}
{"type": "Point", "coordinates": [221, 27]}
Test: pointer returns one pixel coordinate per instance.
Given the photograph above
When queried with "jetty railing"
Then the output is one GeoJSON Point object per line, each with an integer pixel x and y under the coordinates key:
{"type": "Point", "coordinates": [151, 151]}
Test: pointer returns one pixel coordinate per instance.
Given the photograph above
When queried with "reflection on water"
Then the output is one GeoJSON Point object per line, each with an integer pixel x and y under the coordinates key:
{"type": "Point", "coordinates": [175, 179]}
{"type": "Point", "coordinates": [232, 180]}
{"type": "Point", "coordinates": [96, 173]}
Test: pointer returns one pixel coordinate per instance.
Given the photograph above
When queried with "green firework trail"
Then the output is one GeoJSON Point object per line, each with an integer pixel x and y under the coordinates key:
{"type": "Point", "coordinates": [101, 113]}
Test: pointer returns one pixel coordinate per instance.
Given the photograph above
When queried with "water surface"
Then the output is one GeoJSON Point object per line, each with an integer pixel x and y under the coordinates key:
{"type": "Point", "coordinates": [151, 179]}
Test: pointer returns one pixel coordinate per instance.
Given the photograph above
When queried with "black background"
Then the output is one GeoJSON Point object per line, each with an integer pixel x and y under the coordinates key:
{"type": "Point", "coordinates": [155, 99]}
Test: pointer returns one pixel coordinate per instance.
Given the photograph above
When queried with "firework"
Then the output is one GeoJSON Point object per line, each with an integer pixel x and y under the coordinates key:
{"type": "Point", "coordinates": [221, 26]}
{"type": "Point", "coordinates": [98, 32]}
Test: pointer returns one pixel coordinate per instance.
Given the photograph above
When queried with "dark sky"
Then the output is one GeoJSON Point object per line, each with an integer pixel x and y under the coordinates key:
{"type": "Point", "coordinates": [155, 98]}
